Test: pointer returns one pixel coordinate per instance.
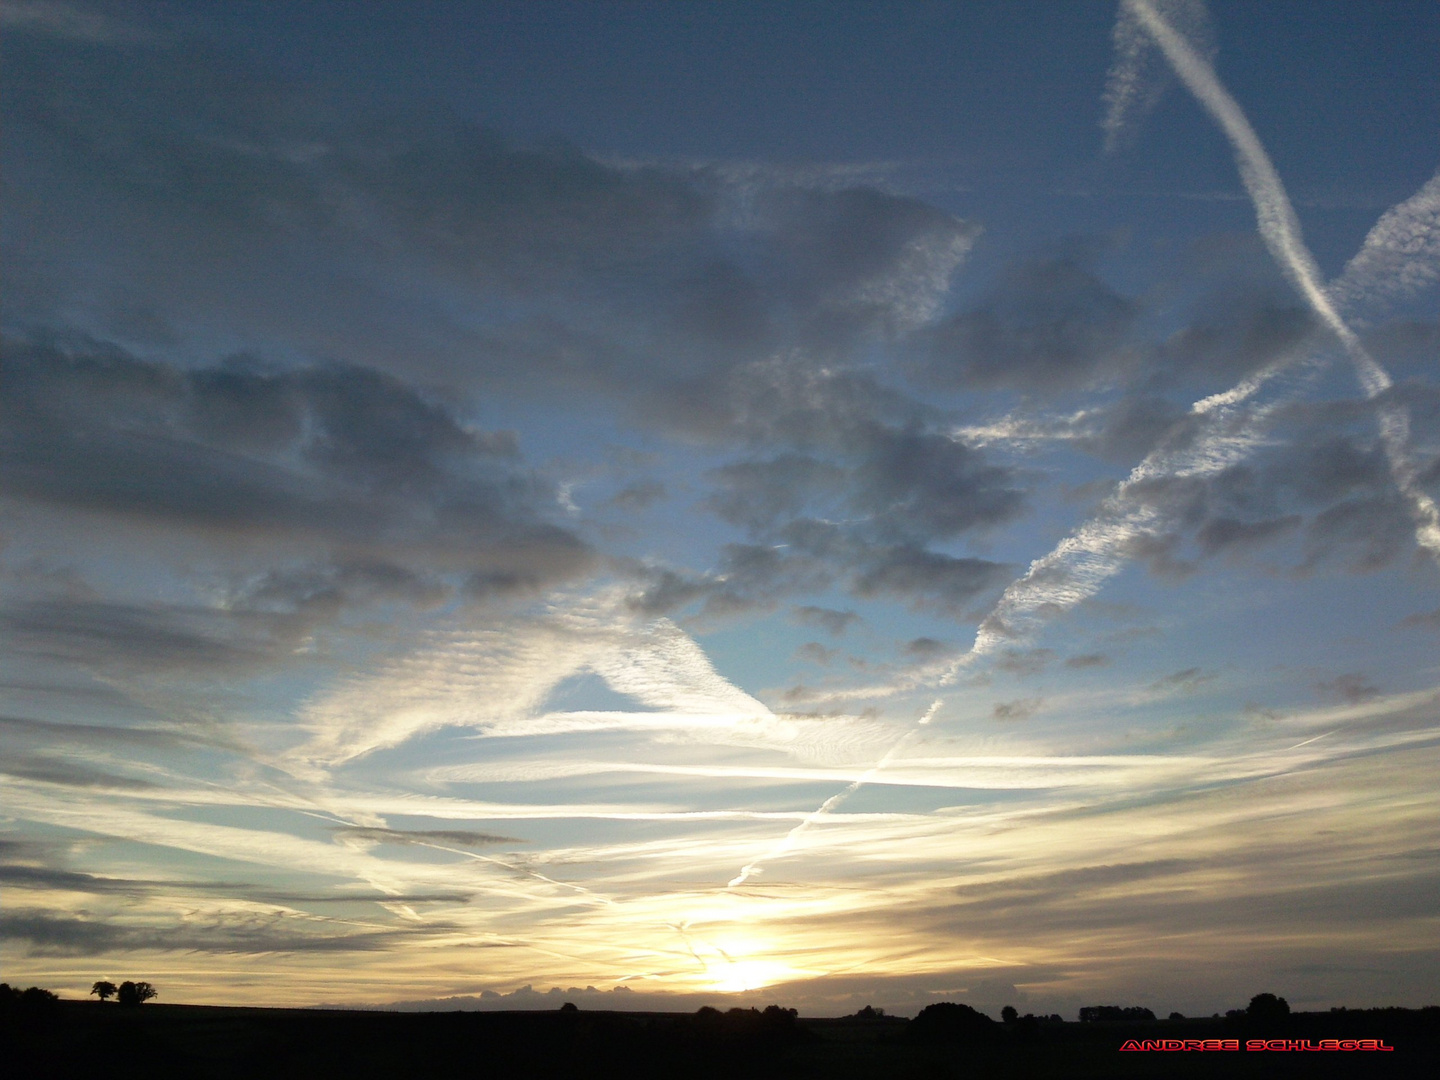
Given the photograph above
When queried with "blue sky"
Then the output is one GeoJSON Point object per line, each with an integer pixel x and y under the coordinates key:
{"type": "Point", "coordinates": [839, 504]}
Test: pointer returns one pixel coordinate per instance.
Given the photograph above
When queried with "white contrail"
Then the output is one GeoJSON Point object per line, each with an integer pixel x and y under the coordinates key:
{"type": "Point", "coordinates": [1404, 244]}
{"type": "Point", "coordinates": [1400, 256]}
{"type": "Point", "coordinates": [1280, 230]}
{"type": "Point", "coordinates": [1131, 90]}
{"type": "Point", "coordinates": [783, 847]}
{"type": "Point", "coordinates": [1081, 562]}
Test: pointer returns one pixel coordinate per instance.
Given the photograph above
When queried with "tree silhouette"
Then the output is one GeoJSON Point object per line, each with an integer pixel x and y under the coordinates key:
{"type": "Point", "coordinates": [104, 990]}
{"type": "Point", "coordinates": [1267, 1008]}
{"type": "Point", "coordinates": [136, 993]}
{"type": "Point", "coordinates": [1008, 1014]}
{"type": "Point", "coordinates": [949, 1021]}
{"type": "Point", "coordinates": [32, 998]}
{"type": "Point", "coordinates": [1109, 1014]}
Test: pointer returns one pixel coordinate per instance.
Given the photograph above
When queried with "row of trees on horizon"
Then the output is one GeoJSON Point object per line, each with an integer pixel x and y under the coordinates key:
{"type": "Point", "coordinates": [1263, 1008]}
{"type": "Point", "coordinates": [127, 993]}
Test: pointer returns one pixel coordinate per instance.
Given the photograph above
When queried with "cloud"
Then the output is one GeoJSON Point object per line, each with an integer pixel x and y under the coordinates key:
{"type": "Point", "coordinates": [815, 653]}
{"type": "Point", "coordinates": [1224, 533]}
{"type": "Point", "coordinates": [127, 739]}
{"type": "Point", "coordinates": [1430, 619]}
{"type": "Point", "coordinates": [1399, 258]}
{"type": "Point", "coordinates": [926, 578]}
{"type": "Point", "coordinates": [1352, 687]}
{"type": "Point", "coordinates": [95, 632]}
{"type": "Point", "coordinates": [1019, 709]}
{"type": "Point", "coordinates": [487, 263]}
{"type": "Point", "coordinates": [1186, 681]}
{"type": "Point", "coordinates": [440, 837]}
{"type": "Point", "coordinates": [1280, 229]}
{"type": "Point", "coordinates": [498, 681]}
{"type": "Point", "coordinates": [1232, 336]}
{"type": "Point", "coordinates": [865, 490]}
{"type": "Point", "coordinates": [637, 497]}
{"type": "Point", "coordinates": [1087, 660]}
{"type": "Point", "coordinates": [40, 933]}
{"type": "Point", "coordinates": [1023, 663]}
{"type": "Point", "coordinates": [925, 648]}
{"type": "Point", "coordinates": [828, 619]}
{"type": "Point", "coordinates": [1373, 531]}
{"type": "Point", "coordinates": [335, 455]}
{"type": "Point", "coordinates": [56, 770]}
{"type": "Point", "coordinates": [1052, 324]}
{"type": "Point", "coordinates": [1134, 86]}
{"type": "Point", "coordinates": [68, 21]}
{"type": "Point", "coordinates": [723, 309]}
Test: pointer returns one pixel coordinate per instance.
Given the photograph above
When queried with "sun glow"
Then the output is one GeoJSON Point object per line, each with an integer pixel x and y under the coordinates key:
{"type": "Point", "coordinates": [738, 975]}
{"type": "Point", "coordinates": [741, 965]}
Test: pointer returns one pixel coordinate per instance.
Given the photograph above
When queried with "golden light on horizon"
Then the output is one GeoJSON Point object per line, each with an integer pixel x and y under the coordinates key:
{"type": "Point", "coordinates": [733, 972]}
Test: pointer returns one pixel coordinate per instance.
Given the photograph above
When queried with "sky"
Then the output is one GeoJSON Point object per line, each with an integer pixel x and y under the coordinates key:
{"type": "Point", "coordinates": [660, 504]}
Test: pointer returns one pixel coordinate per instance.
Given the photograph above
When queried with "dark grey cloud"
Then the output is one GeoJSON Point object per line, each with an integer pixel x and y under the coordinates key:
{"type": "Point", "coordinates": [927, 578]}
{"type": "Point", "coordinates": [926, 648]}
{"type": "Point", "coordinates": [1407, 347]}
{"type": "Point", "coordinates": [68, 773]}
{"type": "Point", "coordinates": [48, 877]}
{"type": "Point", "coordinates": [663, 590]}
{"type": "Point", "coordinates": [865, 486]}
{"type": "Point", "coordinates": [449, 837]}
{"type": "Point", "coordinates": [346, 458]}
{"type": "Point", "coordinates": [1351, 687]}
{"type": "Point", "coordinates": [1231, 336]}
{"type": "Point", "coordinates": [634, 498]}
{"type": "Point", "coordinates": [1087, 660]}
{"type": "Point", "coordinates": [1428, 619]}
{"type": "Point", "coordinates": [1135, 425]}
{"type": "Point", "coordinates": [1169, 906]}
{"type": "Point", "coordinates": [1019, 709]}
{"type": "Point", "coordinates": [1050, 325]}
{"type": "Point", "coordinates": [37, 874]}
{"type": "Point", "coordinates": [1160, 552]}
{"type": "Point", "coordinates": [1063, 882]}
{"type": "Point", "coordinates": [1023, 663]}
{"type": "Point", "coordinates": [156, 637]}
{"type": "Point", "coordinates": [816, 554]}
{"type": "Point", "coordinates": [1319, 491]}
{"type": "Point", "coordinates": [815, 653]}
{"type": "Point", "coordinates": [758, 495]}
{"type": "Point", "coordinates": [830, 620]}
{"type": "Point", "coordinates": [31, 730]}
{"type": "Point", "coordinates": [719, 309]}
{"type": "Point", "coordinates": [229, 193]}
{"type": "Point", "coordinates": [1187, 680]}
{"type": "Point", "coordinates": [39, 933]}
{"type": "Point", "coordinates": [1221, 533]}
{"type": "Point", "coordinates": [1367, 533]}
{"type": "Point", "coordinates": [924, 486]}
{"type": "Point", "coordinates": [322, 590]}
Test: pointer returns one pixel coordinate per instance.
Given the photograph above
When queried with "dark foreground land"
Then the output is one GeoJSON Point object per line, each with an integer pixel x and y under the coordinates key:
{"type": "Point", "coordinates": [156, 1041]}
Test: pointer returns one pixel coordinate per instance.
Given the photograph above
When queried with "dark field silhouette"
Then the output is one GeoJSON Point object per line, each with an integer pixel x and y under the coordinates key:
{"type": "Point", "coordinates": [44, 1036]}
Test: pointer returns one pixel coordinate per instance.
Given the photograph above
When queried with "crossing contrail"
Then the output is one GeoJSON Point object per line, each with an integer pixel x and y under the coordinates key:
{"type": "Point", "coordinates": [1280, 230]}
{"type": "Point", "coordinates": [783, 847]}
{"type": "Point", "coordinates": [1407, 237]}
